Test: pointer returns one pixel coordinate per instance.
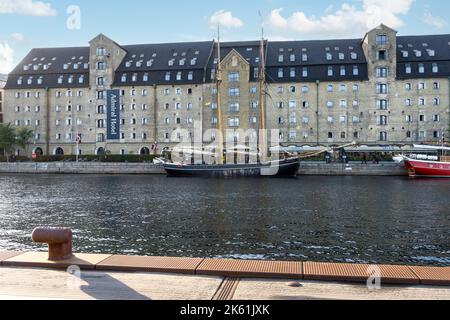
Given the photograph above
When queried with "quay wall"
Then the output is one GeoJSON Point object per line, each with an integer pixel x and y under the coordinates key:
{"type": "Point", "coordinates": [351, 169]}
{"type": "Point", "coordinates": [306, 168]}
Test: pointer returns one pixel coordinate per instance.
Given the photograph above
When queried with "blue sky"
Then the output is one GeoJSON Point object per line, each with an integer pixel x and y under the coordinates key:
{"type": "Point", "coordinates": [29, 23]}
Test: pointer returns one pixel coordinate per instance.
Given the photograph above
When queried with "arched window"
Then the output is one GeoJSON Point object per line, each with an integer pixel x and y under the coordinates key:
{"type": "Point", "coordinates": [59, 151]}
{"type": "Point", "coordinates": [144, 151]}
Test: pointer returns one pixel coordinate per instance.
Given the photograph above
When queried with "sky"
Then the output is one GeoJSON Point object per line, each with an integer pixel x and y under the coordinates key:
{"type": "Point", "coordinates": [27, 24]}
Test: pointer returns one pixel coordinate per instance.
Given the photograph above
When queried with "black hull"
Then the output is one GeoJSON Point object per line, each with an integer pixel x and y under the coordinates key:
{"type": "Point", "coordinates": [283, 168]}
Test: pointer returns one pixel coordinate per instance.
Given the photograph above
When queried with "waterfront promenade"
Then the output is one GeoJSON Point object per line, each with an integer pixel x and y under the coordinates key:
{"type": "Point", "coordinates": [306, 168]}
{"type": "Point", "coordinates": [31, 276]}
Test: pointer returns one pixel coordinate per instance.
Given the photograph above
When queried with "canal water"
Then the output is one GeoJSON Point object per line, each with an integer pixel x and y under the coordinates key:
{"type": "Point", "coordinates": [332, 219]}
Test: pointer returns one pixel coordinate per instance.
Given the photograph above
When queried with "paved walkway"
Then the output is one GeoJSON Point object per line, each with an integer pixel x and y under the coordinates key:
{"type": "Point", "coordinates": [34, 283]}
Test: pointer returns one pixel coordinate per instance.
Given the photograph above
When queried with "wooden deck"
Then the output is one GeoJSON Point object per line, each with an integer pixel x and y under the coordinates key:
{"type": "Point", "coordinates": [31, 276]}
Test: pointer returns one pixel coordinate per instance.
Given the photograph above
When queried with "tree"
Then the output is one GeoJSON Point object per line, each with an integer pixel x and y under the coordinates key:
{"type": "Point", "coordinates": [7, 139]}
{"type": "Point", "coordinates": [23, 137]}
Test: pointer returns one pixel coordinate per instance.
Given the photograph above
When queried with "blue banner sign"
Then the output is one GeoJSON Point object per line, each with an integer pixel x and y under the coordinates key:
{"type": "Point", "coordinates": [113, 110]}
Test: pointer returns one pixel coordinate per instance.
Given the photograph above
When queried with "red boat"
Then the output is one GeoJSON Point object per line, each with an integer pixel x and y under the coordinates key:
{"type": "Point", "coordinates": [429, 166]}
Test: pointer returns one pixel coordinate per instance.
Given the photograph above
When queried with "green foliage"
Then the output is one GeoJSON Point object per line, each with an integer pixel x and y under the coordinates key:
{"type": "Point", "coordinates": [7, 139]}
{"type": "Point", "coordinates": [23, 137]}
{"type": "Point", "coordinates": [92, 158]}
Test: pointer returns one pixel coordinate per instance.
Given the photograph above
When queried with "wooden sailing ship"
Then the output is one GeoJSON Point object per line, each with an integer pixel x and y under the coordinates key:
{"type": "Point", "coordinates": [287, 167]}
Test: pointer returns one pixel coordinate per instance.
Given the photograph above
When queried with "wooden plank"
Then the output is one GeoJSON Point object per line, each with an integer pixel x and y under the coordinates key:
{"type": "Point", "coordinates": [250, 268]}
{"type": "Point", "coordinates": [26, 283]}
{"type": "Point", "coordinates": [254, 289]}
{"type": "Point", "coordinates": [40, 260]}
{"type": "Point", "coordinates": [433, 276]}
{"type": "Point", "coordinates": [357, 273]}
{"type": "Point", "coordinates": [150, 264]}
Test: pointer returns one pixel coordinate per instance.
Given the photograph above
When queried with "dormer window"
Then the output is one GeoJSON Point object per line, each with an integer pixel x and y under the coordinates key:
{"type": "Point", "coordinates": [354, 55]}
{"type": "Point", "coordinates": [408, 68]}
{"type": "Point", "coordinates": [405, 54]}
{"type": "Point", "coordinates": [167, 76]}
{"type": "Point", "coordinates": [25, 68]}
{"type": "Point", "coordinates": [194, 62]}
{"type": "Point", "coordinates": [431, 53]}
{"type": "Point", "coordinates": [191, 75]}
{"type": "Point", "coordinates": [171, 62]}
{"type": "Point", "coordinates": [292, 58]}
{"type": "Point", "coordinates": [418, 53]}
{"type": "Point", "coordinates": [280, 58]}
{"type": "Point", "coordinates": [134, 78]}
{"type": "Point", "coordinates": [341, 56]}
{"type": "Point", "coordinates": [86, 65]}
{"type": "Point", "coordinates": [178, 75]}
{"type": "Point", "coordinates": [421, 68]}
{"type": "Point", "coordinates": [304, 57]}
{"type": "Point", "coordinates": [70, 79]}
{"type": "Point", "coordinates": [127, 64]}
{"type": "Point", "coordinates": [60, 80]}
{"type": "Point", "coordinates": [30, 80]}
{"type": "Point", "coordinates": [145, 77]}
{"type": "Point", "coordinates": [45, 67]}
{"type": "Point", "coordinates": [182, 62]}
{"type": "Point", "coordinates": [329, 56]}
{"type": "Point", "coordinates": [35, 67]}
{"type": "Point", "coordinates": [81, 79]}
{"type": "Point", "coordinates": [65, 66]}
{"type": "Point", "coordinates": [138, 64]}
{"type": "Point", "coordinates": [124, 77]}
{"type": "Point", "coordinates": [435, 68]}
{"type": "Point", "coordinates": [19, 81]}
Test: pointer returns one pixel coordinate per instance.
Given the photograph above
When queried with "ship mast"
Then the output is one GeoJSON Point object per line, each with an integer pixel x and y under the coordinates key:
{"type": "Point", "coordinates": [262, 96]}
{"type": "Point", "coordinates": [219, 107]}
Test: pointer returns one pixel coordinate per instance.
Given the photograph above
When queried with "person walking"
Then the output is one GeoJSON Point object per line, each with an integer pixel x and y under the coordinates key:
{"type": "Point", "coordinates": [364, 159]}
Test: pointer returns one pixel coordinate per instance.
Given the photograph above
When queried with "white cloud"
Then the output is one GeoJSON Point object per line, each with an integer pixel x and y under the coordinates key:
{"type": "Point", "coordinates": [347, 21]}
{"type": "Point", "coordinates": [27, 7]}
{"type": "Point", "coordinates": [225, 19]}
{"type": "Point", "coordinates": [17, 38]}
{"type": "Point", "coordinates": [6, 58]}
{"type": "Point", "coordinates": [434, 21]}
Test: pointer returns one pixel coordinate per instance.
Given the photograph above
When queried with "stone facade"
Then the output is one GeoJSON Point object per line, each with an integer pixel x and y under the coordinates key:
{"type": "Point", "coordinates": [380, 109]}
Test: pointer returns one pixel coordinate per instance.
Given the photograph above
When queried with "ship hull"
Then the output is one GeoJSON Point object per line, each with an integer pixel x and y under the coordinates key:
{"type": "Point", "coordinates": [284, 168]}
{"type": "Point", "coordinates": [430, 169]}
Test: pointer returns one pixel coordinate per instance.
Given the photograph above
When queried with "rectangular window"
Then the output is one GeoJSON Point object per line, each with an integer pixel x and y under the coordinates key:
{"type": "Point", "coordinates": [304, 72]}
{"type": "Point", "coordinates": [382, 104]}
{"type": "Point", "coordinates": [233, 122]}
{"type": "Point", "coordinates": [382, 72]}
{"type": "Point", "coordinates": [234, 92]}
{"type": "Point", "coordinates": [408, 68]}
{"type": "Point", "coordinates": [233, 107]}
{"type": "Point", "coordinates": [280, 73]}
{"type": "Point", "coordinates": [330, 71]}
{"type": "Point", "coordinates": [435, 68]}
{"type": "Point", "coordinates": [233, 76]}
{"type": "Point", "coordinates": [382, 88]}
{"type": "Point", "coordinates": [381, 40]}
{"type": "Point", "coordinates": [292, 73]}
{"type": "Point", "coordinates": [421, 68]}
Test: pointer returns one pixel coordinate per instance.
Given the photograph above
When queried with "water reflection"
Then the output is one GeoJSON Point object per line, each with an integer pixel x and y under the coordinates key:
{"type": "Point", "coordinates": [374, 220]}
